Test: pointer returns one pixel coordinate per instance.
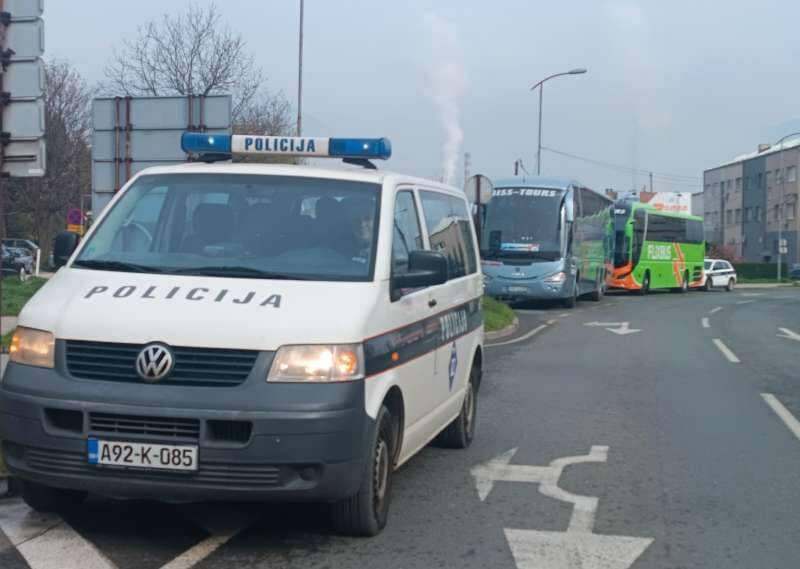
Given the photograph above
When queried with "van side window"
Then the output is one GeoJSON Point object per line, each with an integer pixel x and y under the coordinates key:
{"type": "Point", "coordinates": [449, 231]}
{"type": "Point", "coordinates": [407, 235]}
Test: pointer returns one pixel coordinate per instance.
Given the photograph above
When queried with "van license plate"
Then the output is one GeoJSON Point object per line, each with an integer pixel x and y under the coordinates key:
{"type": "Point", "coordinates": [142, 455]}
{"type": "Point", "coordinates": [518, 289]}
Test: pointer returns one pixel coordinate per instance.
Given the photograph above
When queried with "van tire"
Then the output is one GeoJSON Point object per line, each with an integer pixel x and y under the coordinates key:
{"type": "Point", "coordinates": [461, 431]}
{"type": "Point", "coordinates": [365, 514]}
{"type": "Point", "coordinates": [46, 499]}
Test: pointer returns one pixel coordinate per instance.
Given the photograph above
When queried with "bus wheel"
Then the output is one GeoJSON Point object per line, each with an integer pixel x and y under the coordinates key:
{"type": "Point", "coordinates": [645, 284]}
{"type": "Point", "coordinates": [572, 300]}
{"type": "Point", "coordinates": [730, 285]}
{"type": "Point", "coordinates": [597, 293]}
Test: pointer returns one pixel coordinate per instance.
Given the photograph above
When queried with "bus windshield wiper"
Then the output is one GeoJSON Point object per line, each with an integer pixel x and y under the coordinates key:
{"type": "Point", "coordinates": [110, 265]}
{"type": "Point", "coordinates": [234, 272]}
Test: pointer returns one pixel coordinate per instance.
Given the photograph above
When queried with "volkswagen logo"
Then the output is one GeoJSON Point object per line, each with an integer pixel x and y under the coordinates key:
{"type": "Point", "coordinates": [154, 362]}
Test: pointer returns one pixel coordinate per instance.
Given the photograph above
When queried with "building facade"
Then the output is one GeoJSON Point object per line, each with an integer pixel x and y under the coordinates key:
{"type": "Point", "coordinates": [746, 201]}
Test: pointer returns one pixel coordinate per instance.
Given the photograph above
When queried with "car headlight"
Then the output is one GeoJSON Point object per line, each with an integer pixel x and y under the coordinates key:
{"type": "Point", "coordinates": [32, 347]}
{"type": "Point", "coordinates": [320, 364]}
{"type": "Point", "coordinates": [556, 278]}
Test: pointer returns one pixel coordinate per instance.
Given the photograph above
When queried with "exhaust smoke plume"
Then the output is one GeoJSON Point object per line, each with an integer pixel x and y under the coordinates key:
{"type": "Point", "coordinates": [446, 82]}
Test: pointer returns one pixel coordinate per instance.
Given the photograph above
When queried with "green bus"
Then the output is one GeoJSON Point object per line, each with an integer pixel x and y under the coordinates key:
{"type": "Point", "coordinates": [656, 249]}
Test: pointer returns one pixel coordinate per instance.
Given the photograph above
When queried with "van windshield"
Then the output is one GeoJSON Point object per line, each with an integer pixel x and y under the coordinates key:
{"type": "Point", "coordinates": [240, 225]}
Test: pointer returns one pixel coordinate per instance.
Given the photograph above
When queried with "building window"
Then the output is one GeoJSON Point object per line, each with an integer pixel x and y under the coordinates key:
{"type": "Point", "coordinates": [777, 213]}
{"type": "Point", "coordinates": [729, 184]}
{"type": "Point", "coordinates": [748, 214]}
{"type": "Point", "coordinates": [729, 215]}
{"type": "Point", "coordinates": [738, 183]}
{"type": "Point", "coordinates": [769, 179]}
{"type": "Point", "coordinates": [758, 213]}
{"type": "Point", "coordinates": [791, 174]}
{"type": "Point", "coordinates": [778, 177]}
{"type": "Point", "coordinates": [760, 183]}
{"type": "Point", "coordinates": [738, 215]}
{"type": "Point", "coordinates": [791, 211]}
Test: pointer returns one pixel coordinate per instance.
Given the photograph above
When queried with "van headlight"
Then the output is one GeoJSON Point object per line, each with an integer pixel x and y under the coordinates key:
{"type": "Point", "coordinates": [318, 363]}
{"type": "Point", "coordinates": [32, 347]}
{"type": "Point", "coordinates": [556, 278]}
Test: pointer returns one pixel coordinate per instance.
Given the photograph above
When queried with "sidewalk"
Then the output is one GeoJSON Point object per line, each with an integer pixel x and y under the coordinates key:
{"type": "Point", "coordinates": [764, 285]}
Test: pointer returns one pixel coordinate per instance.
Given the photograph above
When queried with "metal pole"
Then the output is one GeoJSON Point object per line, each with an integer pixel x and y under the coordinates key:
{"type": "Point", "coordinates": [780, 212]}
{"type": "Point", "coordinates": [539, 148]}
{"type": "Point", "coordinates": [651, 182]}
{"type": "Point", "coordinates": [300, 78]}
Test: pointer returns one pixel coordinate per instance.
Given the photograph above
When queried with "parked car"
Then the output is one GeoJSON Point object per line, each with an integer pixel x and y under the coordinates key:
{"type": "Point", "coordinates": [718, 273]}
{"type": "Point", "coordinates": [26, 244]}
{"type": "Point", "coordinates": [15, 263]}
{"type": "Point", "coordinates": [794, 272]}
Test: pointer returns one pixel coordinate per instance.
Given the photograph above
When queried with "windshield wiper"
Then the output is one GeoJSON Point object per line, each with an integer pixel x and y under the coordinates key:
{"type": "Point", "coordinates": [234, 272]}
{"type": "Point", "coordinates": [121, 266]}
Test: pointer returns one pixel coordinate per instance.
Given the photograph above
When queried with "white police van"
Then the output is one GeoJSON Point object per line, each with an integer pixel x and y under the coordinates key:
{"type": "Point", "coordinates": [251, 332]}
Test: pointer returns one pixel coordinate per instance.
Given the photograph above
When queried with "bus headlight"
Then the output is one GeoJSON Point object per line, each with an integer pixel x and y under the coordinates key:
{"type": "Point", "coordinates": [32, 347]}
{"type": "Point", "coordinates": [556, 278]}
{"type": "Point", "coordinates": [318, 364]}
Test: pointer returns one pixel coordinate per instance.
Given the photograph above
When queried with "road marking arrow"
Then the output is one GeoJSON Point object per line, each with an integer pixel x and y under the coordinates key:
{"type": "Point", "coordinates": [578, 547]}
{"type": "Point", "coordinates": [553, 550]}
{"type": "Point", "coordinates": [623, 328]}
{"type": "Point", "coordinates": [788, 334]}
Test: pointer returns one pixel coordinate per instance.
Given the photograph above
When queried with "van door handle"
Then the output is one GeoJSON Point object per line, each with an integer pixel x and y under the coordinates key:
{"type": "Point", "coordinates": [432, 302]}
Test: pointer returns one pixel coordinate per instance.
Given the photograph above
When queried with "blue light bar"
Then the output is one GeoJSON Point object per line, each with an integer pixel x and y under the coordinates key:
{"type": "Point", "coordinates": [299, 146]}
{"type": "Point", "coordinates": [204, 143]}
{"type": "Point", "coordinates": [379, 148]}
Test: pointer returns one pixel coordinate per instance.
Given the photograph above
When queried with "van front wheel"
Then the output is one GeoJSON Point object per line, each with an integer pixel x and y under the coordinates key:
{"type": "Point", "coordinates": [366, 513]}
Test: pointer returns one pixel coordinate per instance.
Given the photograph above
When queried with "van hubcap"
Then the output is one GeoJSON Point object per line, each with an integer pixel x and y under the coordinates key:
{"type": "Point", "coordinates": [381, 480]}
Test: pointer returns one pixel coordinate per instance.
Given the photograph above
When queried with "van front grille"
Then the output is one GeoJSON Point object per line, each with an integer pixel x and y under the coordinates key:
{"type": "Point", "coordinates": [208, 367]}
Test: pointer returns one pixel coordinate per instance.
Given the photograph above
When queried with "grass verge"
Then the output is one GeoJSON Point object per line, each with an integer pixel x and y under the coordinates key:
{"type": "Point", "coordinates": [16, 293]}
{"type": "Point", "coordinates": [496, 315]}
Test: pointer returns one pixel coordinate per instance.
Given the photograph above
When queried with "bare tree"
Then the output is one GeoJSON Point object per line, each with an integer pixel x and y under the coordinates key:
{"type": "Point", "coordinates": [189, 54]}
{"type": "Point", "coordinates": [39, 205]}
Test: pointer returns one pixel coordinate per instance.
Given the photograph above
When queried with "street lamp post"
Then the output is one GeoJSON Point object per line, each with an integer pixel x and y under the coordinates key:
{"type": "Point", "coordinates": [300, 77]}
{"type": "Point", "coordinates": [782, 200]}
{"type": "Point", "coordinates": [540, 85]}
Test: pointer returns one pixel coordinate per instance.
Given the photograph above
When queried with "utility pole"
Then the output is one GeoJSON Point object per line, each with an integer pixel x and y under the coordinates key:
{"type": "Point", "coordinates": [466, 168]}
{"type": "Point", "coordinates": [651, 182]}
{"type": "Point", "coordinates": [516, 167]}
{"type": "Point", "coordinates": [300, 78]}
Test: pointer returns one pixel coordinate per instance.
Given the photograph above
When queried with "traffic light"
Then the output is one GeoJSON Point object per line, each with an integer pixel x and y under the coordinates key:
{"type": "Point", "coordinates": [22, 142]}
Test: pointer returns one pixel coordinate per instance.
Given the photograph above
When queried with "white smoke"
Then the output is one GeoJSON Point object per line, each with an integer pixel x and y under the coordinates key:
{"type": "Point", "coordinates": [446, 82]}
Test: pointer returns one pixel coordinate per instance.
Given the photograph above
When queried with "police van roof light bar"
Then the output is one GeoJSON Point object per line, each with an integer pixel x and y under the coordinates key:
{"type": "Point", "coordinates": [354, 150]}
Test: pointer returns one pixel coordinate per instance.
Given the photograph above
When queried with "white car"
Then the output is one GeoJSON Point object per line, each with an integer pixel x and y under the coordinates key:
{"type": "Point", "coordinates": [718, 273]}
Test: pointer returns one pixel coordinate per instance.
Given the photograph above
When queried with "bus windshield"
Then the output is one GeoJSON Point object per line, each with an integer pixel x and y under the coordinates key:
{"type": "Point", "coordinates": [522, 222]}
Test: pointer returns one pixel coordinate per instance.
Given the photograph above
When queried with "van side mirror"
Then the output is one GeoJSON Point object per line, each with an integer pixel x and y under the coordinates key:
{"type": "Point", "coordinates": [425, 268]}
{"type": "Point", "coordinates": [64, 245]}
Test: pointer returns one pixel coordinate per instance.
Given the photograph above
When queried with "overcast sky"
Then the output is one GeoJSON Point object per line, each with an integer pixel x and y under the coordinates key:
{"type": "Point", "coordinates": [673, 87]}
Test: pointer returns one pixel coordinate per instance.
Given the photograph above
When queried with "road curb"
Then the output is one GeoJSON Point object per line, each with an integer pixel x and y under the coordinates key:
{"type": "Point", "coordinates": [503, 333]}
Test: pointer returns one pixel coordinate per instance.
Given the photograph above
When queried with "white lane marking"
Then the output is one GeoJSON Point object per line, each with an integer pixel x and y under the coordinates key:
{"type": "Point", "coordinates": [48, 542]}
{"type": "Point", "coordinates": [534, 549]}
{"type": "Point", "coordinates": [564, 315]}
{"type": "Point", "coordinates": [551, 321]}
{"type": "Point", "coordinates": [622, 328]}
{"type": "Point", "coordinates": [788, 334]}
{"type": "Point", "coordinates": [521, 338]}
{"type": "Point", "coordinates": [785, 415]}
{"type": "Point", "coordinates": [715, 310]}
{"type": "Point", "coordinates": [197, 553]}
{"type": "Point", "coordinates": [577, 547]}
{"type": "Point", "coordinates": [745, 301]}
{"type": "Point", "coordinates": [705, 323]}
{"type": "Point", "coordinates": [752, 294]}
{"type": "Point", "coordinates": [726, 351]}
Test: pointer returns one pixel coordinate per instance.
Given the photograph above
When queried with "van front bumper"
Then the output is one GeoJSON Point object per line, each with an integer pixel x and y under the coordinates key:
{"type": "Point", "coordinates": [309, 451]}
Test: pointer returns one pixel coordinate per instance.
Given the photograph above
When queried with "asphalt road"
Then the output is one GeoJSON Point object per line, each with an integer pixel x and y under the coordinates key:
{"type": "Point", "coordinates": [679, 461]}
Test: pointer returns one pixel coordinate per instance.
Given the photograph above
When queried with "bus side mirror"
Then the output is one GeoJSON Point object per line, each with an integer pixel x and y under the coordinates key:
{"type": "Point", "coordinates": [65, 244]}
